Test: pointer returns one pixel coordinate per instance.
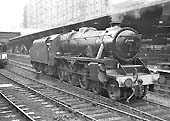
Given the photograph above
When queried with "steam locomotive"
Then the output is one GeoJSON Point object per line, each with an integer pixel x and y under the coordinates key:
{"type": "Point", "coordinates": [96, 60]}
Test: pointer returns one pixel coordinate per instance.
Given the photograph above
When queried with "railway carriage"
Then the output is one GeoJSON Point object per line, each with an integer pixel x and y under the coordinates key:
{"type": "Point", "coordinates": [3, 55]}
{"type": "Point", "coordinates": [96, 60]}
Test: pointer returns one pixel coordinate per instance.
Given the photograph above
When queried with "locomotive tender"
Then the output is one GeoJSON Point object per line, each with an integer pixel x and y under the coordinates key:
{"type": "Point", "coordinates": [96, 60]}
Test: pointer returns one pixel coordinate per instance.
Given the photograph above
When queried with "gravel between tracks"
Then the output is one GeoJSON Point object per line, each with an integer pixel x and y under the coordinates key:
{"type": "Point", "coordinates": [44, 110]}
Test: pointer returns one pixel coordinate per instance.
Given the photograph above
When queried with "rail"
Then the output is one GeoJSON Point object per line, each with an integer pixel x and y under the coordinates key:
{"type": "Point", "coordinates": [142, 113]}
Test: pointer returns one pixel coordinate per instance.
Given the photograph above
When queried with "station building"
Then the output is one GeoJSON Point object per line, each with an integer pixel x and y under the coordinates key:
{"type": "Point", "coordinates": [53, 13]}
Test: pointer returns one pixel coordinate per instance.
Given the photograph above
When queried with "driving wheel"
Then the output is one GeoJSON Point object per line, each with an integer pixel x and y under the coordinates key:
{"type": "Point", "coordinates": [83, 82]}
{"type": "Point", "coordinates": [96, 88]}
{"type": "Point", "coordinates": [72, 78]}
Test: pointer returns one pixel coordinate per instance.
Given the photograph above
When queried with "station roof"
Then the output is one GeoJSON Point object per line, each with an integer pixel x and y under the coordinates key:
{"type": "Point", "coordinates": [98, 22]}
{"type": "Point", "coordinates": [65, 28]}
{"type": "Point", "coordinates": [5, 36]}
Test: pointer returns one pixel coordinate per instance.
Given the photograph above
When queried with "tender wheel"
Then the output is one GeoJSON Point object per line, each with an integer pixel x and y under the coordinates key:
{"type": "Point", "coordinates": [55, 72]}
{"type": "Point", "coordinates": [61, 74]}
{"type": "Point", "coordinates": [83, 82]}
{"type": "Point", "coordinates": [113, 90]}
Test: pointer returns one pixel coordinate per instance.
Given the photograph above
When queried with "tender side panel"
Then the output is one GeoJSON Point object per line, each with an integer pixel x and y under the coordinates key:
{"type": "Point", "coordinates": [39, 52]}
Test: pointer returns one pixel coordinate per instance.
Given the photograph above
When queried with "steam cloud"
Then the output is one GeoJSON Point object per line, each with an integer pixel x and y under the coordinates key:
{"type": "Point", "coordinates": [135, 14]}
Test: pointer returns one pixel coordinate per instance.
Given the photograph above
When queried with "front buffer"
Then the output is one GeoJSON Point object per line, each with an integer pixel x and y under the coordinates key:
{"type": "Point", "coordinates": [128, 86]}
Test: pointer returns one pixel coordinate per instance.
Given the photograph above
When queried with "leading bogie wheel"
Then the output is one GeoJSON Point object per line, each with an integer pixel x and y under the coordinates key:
{"type": "Point", "coordinates": [143, 91]}
{"type": "Point", "coordinates": [162, 80]}
{"type": "Point", "coordinates": [113, 90]}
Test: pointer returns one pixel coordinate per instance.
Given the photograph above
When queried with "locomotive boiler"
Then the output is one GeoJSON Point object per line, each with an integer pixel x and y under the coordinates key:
{"type": "Point", "coordinates": [96, 60]}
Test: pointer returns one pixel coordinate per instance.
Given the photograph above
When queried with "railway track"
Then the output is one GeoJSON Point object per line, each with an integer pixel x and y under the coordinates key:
{"type": "Point", "coordinates": [10, 111]}
{"type": "Point", "coordinates": [151, 108]}
{"type": "Point", "coordinates": [86, 108]}
{"type": "Point", "coordinates": [162, 90]}
{"type": "Point", "coordinates": [143, 113]}
{"type": "Point", "coordinates": [34, 105]}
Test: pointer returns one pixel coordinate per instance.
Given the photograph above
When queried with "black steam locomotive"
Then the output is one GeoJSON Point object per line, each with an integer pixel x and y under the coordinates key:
{"type": "Point", "coordinates": [96, 60]}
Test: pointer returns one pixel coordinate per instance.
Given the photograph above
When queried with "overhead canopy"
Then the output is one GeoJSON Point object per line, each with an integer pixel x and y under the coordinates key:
{"type": "Point", "coordinates": [98, 22]}
{"type": "Point", "coordinates": [5, 36]}
{"type": "Point", "coordinates": [104, 22]}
